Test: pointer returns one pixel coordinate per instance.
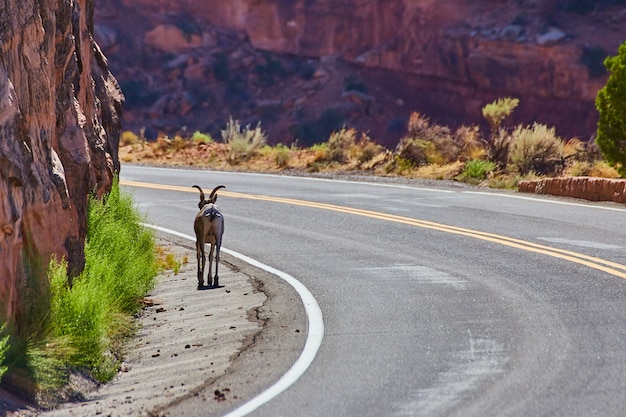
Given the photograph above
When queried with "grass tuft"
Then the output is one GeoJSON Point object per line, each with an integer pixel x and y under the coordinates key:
{"type": "Point", "coordinates": [81, 327]}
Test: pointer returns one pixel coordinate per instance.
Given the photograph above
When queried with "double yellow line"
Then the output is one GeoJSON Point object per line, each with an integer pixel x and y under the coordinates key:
{"type": "Point", "coordinates": [609, 267]}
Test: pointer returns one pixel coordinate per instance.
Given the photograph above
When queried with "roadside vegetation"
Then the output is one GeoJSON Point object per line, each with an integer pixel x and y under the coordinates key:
{"type": "Point", "coordinates": [499, 157]}
{"type": "Point", "coordinates": [79, 327]}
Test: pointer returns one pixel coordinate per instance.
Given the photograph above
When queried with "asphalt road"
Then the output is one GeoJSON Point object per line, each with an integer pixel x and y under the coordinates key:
{"type": "Point", "coordinates": [438, 300]}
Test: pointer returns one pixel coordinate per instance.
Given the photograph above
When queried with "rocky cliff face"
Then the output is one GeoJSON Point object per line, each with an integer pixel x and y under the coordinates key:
{"type": "Point", "coordinates": [59, 131]}
{"type": "Point", "coordinates": [445, 59]}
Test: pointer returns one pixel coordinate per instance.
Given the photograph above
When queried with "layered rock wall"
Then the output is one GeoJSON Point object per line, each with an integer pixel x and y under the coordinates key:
{"type": "Point", "coordinates": [59, 132]}
{"type": "Point", "coordinates": [456, 55]}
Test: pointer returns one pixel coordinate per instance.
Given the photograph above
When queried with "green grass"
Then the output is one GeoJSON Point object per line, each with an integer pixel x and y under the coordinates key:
{"type": "Point", "coordinates": [83, 326]}
{"type": "Point", "coordinates": [4, 346]}
{"type": "Point", "coordinates": [476, 170]}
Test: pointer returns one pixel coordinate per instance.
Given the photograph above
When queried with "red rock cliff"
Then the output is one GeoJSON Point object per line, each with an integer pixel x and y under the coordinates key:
{"type": "Point", "coordinates": [453, 56]}
{"type": "Point", "coordinates": [59, 132]}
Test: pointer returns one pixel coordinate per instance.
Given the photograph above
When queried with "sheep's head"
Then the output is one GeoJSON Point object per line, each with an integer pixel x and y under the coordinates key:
{"type": "Point", "coordinates": [212, 197]}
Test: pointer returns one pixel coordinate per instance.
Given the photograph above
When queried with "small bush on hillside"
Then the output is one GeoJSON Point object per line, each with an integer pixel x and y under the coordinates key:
{"type": "Point", "coordinates": [498, 110]}
{"type": "Point", "coordinates": [282, 155]}
{"type": "Point", "coordinates": [495, 113]}
{"type": "Point", "coordinates": [340, 143]}
{"type": "Point", "coordinates": [428, 143]}
{"type": "Point", "coordinates": [243, 142]}
{"type": "Point", "coordinates": [536, 149]}
{"type": "Point", "coordinates": [477, 170]}
{"type": "Point", "coordinates": [592, 169]}
{"type": "Point", "coordinates": [419, 146]}
{"type": "Point", "coordinates": [351, 83]}
{"type": "Point", "coordinates": [200, 137]}
{"type": "Point", "coordinates": [129, 138]}
{"type": "Point", "coordinates": [305, 69]}
{"type": "Point", "coordinates": [470, 142]}
{"type": "Point", "coordinates": [268, 71]}
{"type": "Point", "coordinates": [366, 149]}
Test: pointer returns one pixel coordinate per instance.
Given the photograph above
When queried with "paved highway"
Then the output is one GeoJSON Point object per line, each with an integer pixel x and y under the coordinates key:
{"type": "Point", "coordinates": [438, 300]}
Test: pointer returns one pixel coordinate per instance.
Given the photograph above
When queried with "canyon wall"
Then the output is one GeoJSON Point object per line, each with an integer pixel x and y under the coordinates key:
{"type": "Point", "coordinates": [59, 130]}
{"type": "Point", "coordinates": [446, 59]}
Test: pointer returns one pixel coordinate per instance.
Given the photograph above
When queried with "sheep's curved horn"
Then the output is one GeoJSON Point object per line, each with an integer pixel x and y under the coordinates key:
{"type": "Point", "coordinates": [213, 197]}
{"type": "Point", "coordinates": [201, 192]}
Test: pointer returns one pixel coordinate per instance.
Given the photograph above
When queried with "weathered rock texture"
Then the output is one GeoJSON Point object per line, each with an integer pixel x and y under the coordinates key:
{"type": "Point", "coordinates": [588, 188]}
{"type": "Point", "coordinates": [59, 132]}
{"type": "Point", "coordinates": [446, 59]}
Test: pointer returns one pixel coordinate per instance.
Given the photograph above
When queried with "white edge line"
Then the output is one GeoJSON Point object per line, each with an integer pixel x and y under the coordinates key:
{"type": "Point", "coordinates": [311, 346]}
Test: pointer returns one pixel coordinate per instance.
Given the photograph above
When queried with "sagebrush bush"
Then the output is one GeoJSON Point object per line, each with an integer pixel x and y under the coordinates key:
{"type": "Point", "coordinates": [429, 143]}
{"type": "Point", "coordinates": [129, 138]}
{"type": "Point", "coordinates": [536, 149]}
{"type": "Point", "coordinates": [243, 142]}
{"type": "Point", "coordinates": [498, 110]}
{"type": "Point", "coordinates": [339, 144]}
{"type": "Point", "coordinates": [498, 143]}
{"type": "Point", "coordinates": [366, 149]}
{"type": "Point", "coordinates": [282, 155]}
{"type": "Point", "coordinates": [470, 141]}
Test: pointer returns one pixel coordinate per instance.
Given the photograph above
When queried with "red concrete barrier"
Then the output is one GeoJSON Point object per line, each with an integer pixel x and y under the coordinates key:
{"type": "Point", "coordinates": [588, 188]}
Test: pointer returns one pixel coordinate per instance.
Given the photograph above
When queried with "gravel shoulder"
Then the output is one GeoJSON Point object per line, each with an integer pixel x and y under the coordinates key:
{"type": "Point", "coordinates": [197, 352]}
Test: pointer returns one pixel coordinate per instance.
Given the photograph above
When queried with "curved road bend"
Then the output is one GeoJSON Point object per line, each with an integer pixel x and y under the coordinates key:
{"type": "Point", "coordinates": [437, 301]}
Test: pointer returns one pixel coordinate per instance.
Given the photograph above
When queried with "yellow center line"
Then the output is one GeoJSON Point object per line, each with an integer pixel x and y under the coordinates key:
{"type": "Point", "coordinates": [600, 264]}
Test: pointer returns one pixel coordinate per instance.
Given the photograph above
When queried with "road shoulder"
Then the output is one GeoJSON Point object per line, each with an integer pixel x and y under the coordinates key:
{"type": "Point", "coordinates": [210, 350]}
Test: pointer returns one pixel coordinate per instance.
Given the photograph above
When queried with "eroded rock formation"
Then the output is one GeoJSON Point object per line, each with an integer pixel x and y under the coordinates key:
{"type": "Point", "coordinates": [446, 59]}
{"type": "Point", "coordinates": [59, 132]}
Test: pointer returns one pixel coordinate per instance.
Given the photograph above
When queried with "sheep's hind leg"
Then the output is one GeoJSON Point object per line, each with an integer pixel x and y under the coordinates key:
{"type": "Point", "coordinates": [209, 283]}
{"type": "Point", "coordinates": [217, 264]}
{"type": "Point", "coordinates": [201, 262]}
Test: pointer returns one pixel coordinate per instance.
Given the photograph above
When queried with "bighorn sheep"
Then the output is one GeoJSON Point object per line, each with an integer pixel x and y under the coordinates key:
{"type": "Point", "coordinates": [209, 228]}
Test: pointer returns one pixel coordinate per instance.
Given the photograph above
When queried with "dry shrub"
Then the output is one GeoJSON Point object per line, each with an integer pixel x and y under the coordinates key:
{"type": "Point", "coordinates": [340, 143]}
{"type": "Point", "coordinates": [419, 147]}
{"type": "Point", "coordinates": [281, 155]}
{"type": "Point", "coordinates": [428, 143]}
{"type": "Point", "coordinates": [243, 142]}
{"type": "Point", "coordinates": [498, 143]}
{"type": "Point", "coordinates": [498, 148]}
{"type": "Point", "coordinates": [129, 138]}
{"type": "Point", "coordinates": [179, 143]}
{"type": "Point", "coordinates": [592, 169]}
{"type": "Point", "coordinates": [440, 172]}
{"type": "Point", "coordinates": [365, 150]}
{"type": "Point", "coordinates": [470, 142]}
{"type": "Point", "coordinates": [536, 149]}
